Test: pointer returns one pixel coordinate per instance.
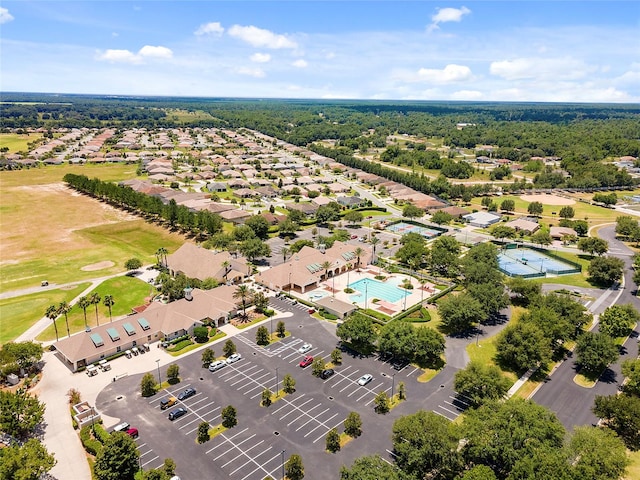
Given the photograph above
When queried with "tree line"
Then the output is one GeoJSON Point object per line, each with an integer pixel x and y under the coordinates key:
{"type": "Point", "coordinates": [201, 222]}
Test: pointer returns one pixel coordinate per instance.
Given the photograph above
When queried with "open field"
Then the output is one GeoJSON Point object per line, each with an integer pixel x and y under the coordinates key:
{"type": "Point", "coordinates": [19, 313]}
{"type": "Point", "coordinates": [16, 142]}
{"type": "Point", "coordinates": [592, 213]}
{"type": "Point", "coordinates": [48, 231]}
{"type": "Point", "coordinates": [127, 292]}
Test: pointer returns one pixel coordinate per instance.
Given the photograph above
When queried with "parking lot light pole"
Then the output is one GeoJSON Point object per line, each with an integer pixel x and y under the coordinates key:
{"type": "Point", "coordinates": [282, 453]}
{"type": "Point", "coordinates": [366, 284]}
{"type": "Point", "coordinates": [277, 391]}
{"type": "Point", "coordinates": [159, 379]}
{"type": "Point", "coordinates": [393, 384]}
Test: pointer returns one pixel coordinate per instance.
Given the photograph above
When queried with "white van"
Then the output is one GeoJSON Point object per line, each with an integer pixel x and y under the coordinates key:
{"type": "Point", "coordinates": [104, 365]}
{"type": "Point", "coordinates": [121, 427]}
{"type": "Point", "coordinates": [92, 370]}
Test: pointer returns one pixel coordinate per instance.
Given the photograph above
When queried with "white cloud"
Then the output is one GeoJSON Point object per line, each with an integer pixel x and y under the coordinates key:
{"type": "Point", "coordinates": [444, 15]}
{"type": "Point", "coordinates": [466, 95]}
{"type": "Point", "coordinates": [211, 28]}
{"type": "Point", "coordinates": [5, 16]}
{"type": "Point", "coordinates": [300, 63]}
{"type": "Point", "coordinates": [155, 52]}
{"type": "Point", "coordinates": [251, 72]}
{"type": "Point", "coordinates": [524, 68]}
{"type": "Point", "coordinates": [126, 56]}
{"type": "Point", "coordinates": [259, 37]}
{"type": "Point", "coordinates": [260, 57]}
{"type": "Point", "coordinates": [450, 74]}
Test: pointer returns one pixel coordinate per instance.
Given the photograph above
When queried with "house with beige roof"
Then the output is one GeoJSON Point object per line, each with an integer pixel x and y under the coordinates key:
{"type": "Point", "coordinates": [304, 271]}
{"type": "Point", "coordinates": [200, 263]}
{"type": "Point", "coordinates": [158, 322]}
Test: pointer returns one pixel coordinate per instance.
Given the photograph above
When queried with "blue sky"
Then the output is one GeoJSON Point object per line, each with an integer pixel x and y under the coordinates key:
{"type": "Point", "coordinates": [557, 51]}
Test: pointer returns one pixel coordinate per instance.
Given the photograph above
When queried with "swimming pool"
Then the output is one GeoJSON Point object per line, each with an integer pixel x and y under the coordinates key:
{"type": "Point", "coordinates": [376, 289]}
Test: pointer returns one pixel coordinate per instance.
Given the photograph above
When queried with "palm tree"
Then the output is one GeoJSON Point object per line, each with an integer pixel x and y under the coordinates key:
{"type": "Point", "coordinates": [326, 265]}
{"type": "Point", "coordinates": [422, 282]}
{"type": "Point", "coordinates": [242, 292]}
{"type": "Point", "coordinates": [374, 241]}
{"type": "Point", "coordinates": [108, 302]}
{"type": "Point", "coordinates": [52, 314]}
{"type": "Point", "coordinates": [226, 264]}
{"type": "Point", "coordinates": [161, 254]}
{"type": "Point", "coordinates": [358, 251]}
{"type": "Point", "coordinates": [84, 303]}
{"type": "Point", "coordinates": [95, 300]}
{"type": "Point", "coordinates": [63, 309]}
{"type": "Point", "coordinates": [285, 251]}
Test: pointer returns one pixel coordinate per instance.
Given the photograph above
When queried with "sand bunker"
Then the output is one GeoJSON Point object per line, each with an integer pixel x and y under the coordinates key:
{"type": "Point", "coordinates": [98, 266]}
{"type": "Point", "coordinates": [547, 199]}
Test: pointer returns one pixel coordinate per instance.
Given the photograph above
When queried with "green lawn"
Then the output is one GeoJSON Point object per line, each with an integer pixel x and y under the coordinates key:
{"type": "Point", "coordinates": [112, 242]}
{"type": "Point", "coordinates": [583, 211]}
{"type": "Point", "coordinates": [16, 142]}
{"type": "Point", "coordinates": [633, 471]}
{"type": "Point", "coordinates": [127, 292]}
{"type": "Point", "coordinates": [80, 231]}
{"type": "Point", "coordinates": [20, 313]}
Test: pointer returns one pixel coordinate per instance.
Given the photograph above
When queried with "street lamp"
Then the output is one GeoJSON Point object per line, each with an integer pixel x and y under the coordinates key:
{"type": "Point", "coordinates": [93, 421]}
{"type": "Point", "coordinates": [282, 453]}
{"type": "Point", "coordinates": [290, 266]}
{"type": "Point", "coordinates": [159, 379]}
{"type": "Point", "coordinates": [277, 394]}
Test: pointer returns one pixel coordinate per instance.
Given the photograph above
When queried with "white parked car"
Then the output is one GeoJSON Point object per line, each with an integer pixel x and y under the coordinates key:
{"type": "Point", "coordinates": [233, 358]}
{"type": "Point", "coordinates": [364, 379]}
{"type": "Point", "coordinates": [305, 348]}
{"type": "Point", "coordinates": [217, 365]}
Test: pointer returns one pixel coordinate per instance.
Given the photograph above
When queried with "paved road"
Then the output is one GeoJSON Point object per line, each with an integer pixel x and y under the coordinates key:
{"type": "Point", "coordinates": [559, 393]}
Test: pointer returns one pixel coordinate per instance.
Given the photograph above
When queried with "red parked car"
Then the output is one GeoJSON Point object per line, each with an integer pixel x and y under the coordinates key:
{"type": "Point", "coordinates": [306, 361]}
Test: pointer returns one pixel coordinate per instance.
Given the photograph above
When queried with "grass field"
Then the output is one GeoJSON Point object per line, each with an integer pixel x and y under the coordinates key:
{"type": "Point", "coordinates": [592, 213]}
{"type": "Point", "coordinates": [633, 471]}
{"type": "Point", "coordinates": [16, 142]}
{"type": "Point", "coordinates": [50, 232]}
{"type": "Point", "coordinates": [20, 313]}
{"type": "Point", "coordinates": [127, 292]}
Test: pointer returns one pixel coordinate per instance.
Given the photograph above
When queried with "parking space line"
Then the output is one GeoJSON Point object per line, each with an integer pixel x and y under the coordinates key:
{"type": "Point", "coordinates": [271, 474]}
{"type": "Point", "coordinates": [245, 452]}
{"type": "Point", "coordinates": [231, 438]}
{"type": "Point", "coordinates": [320, 425]}
{"type": "Point", "coordinates": [254, 379]}
{"type": "Point", "coordinates": [293, 410]}
{"type": "Point", "coordinates": [250, 459]}
{"type": "Point", "coordinates": [312, 419]}
{"type": "Point", "coordinates": [234, 445]}
{"type": "Point", "coordinates": [202, 399]}
{"type": "Point", "coordinates": [324, 434]}
{"type": "Point", "coordinates": [286, 405]}
{"type": "Point", "coordinates": [302, 414]}
{"type": "Point", "coordinates": [148, 462]}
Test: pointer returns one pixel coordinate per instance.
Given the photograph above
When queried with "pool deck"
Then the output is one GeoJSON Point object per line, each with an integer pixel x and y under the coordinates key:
{"type": "Point", "coordinates": [335, 287]}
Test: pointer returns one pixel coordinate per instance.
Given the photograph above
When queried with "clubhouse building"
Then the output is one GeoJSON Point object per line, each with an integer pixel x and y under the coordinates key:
{"type": "Point", "coordinates": [158, 322]}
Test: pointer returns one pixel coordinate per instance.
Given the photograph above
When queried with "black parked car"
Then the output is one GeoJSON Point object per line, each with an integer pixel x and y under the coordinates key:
{"type": "Point", "coordinates": [177, 413]}
{"type": "Point", "coordinates": [189, 392]}
{"type": "Point", "coordinates": [399, 363]}
{"type": "Point", "coordinates": [327, 373]}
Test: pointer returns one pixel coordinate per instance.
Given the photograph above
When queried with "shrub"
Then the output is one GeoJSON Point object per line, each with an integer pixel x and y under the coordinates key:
{"type": "Point", "coordinates": [349, 290]}
{"type": "Point", "coordinates": [180, 345]}
{"type": "Point", "coordinates": [100, 433]}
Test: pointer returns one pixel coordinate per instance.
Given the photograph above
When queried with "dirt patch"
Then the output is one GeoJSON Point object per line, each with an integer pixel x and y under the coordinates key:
{"type": "Point", "coordinates": [98, 266]}
{"type": "Point", "coordinates": [547, 199]}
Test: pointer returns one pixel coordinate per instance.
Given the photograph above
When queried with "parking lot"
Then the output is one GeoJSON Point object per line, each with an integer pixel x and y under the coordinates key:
{"type": "Point", "coordinates": [295, 423]}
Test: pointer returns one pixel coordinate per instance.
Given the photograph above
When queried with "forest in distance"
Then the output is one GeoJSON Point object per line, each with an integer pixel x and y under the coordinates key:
{"type": "Point", "coordinates": [585, 137]}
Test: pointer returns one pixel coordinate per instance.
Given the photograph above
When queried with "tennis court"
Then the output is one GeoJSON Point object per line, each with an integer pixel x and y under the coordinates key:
{"type": "Point", "coordinates": [402, 228]}
{"type": "Point", "coordinates": [526, 262]}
